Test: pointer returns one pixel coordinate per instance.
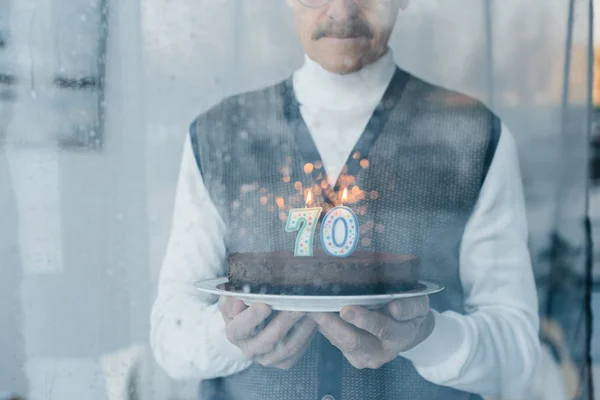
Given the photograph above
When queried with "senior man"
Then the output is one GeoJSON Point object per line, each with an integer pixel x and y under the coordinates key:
{"type": "Point", "coordinates": [448, 188]}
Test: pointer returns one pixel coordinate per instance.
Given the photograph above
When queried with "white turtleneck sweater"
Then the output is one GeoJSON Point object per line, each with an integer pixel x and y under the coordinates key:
{"type": "Point", "coordinates": [492, 350]}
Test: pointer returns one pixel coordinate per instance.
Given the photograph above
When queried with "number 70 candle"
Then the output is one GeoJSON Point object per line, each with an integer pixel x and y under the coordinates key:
{"type": "Point", "coordinates": [339, 229]}
{"type": "Point", "coordinates": [305, 220]}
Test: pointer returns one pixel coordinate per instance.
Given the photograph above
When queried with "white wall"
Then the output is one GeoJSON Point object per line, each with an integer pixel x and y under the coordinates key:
{"type": "Point", "coordinates": [192, 60]}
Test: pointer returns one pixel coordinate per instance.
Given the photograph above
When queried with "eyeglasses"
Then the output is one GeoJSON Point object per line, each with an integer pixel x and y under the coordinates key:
{"type": "Point", "coordinates": [323, 3]}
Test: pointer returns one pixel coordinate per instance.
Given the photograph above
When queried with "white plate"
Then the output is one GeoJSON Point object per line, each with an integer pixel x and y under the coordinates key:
{"type": "Point", "coordinates": [313, 303]}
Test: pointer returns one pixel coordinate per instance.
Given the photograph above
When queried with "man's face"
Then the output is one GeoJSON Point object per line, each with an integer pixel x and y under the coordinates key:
{"type": "Point", "coordinates": [345, 35]}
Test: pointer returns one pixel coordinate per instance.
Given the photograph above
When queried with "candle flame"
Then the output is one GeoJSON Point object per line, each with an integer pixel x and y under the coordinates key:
{"type": "Point", "coordinates": [345, 196]}
{"type": "Point", "coordinates": [308, 197]}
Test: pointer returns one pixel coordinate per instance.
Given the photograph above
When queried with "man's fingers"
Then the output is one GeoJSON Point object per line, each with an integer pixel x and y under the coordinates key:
{"type": "Point", "coordinates": [398, 334]}
{"type": "Point", "coordinates": [274, 333]}
{"type": "Point", "coordinates": [300, 336]}
{"type": "Point", "coordinates": [423, 328]}
{"type": "Point", "coordinates": [241, 327]}
{"type": "Point", "coordinates": [344, 336]}
{"type": "Point", "coordinates": [333, 327]}
{"type": "Point", "coordinates": [409, 308]}
{"type": "Point", "coordinates": [286, 353]}
{"type": "Point", "coordinates": [381, 326]}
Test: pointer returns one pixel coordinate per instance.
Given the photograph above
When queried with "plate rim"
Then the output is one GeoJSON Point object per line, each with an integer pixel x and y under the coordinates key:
{"type": "Point", "coordinates": [210, 286]}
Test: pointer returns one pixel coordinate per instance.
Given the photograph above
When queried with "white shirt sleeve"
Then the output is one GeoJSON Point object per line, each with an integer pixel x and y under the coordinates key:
{"type": "Point", "coordinates": [493, 349]}
{"type": "Point", "coordinates": [187, 334]}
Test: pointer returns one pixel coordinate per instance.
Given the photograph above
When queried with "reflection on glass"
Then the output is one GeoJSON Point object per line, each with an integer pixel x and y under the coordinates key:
{"type": "Point", "coordinates": [83, 233]}
{"type": "Point", "coordinates": [79, 76]}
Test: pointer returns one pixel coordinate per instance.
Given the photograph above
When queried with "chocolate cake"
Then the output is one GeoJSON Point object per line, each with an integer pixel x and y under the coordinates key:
{"type": "Point", "coordinates": [363, 272]}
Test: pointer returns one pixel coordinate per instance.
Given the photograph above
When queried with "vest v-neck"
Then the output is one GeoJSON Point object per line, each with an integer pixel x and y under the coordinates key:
{"type": "Point", "coordinates": [308, 150]}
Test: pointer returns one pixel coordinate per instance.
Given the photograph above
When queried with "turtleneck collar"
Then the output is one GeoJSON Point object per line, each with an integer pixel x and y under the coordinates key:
{"type": "Point", "coordinates": [315, 87]}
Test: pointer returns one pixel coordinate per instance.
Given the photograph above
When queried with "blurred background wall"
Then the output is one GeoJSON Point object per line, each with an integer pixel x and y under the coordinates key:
{"type": "Point", "coordinates": [74, 151]}
{"type": "Point", "coordinates": [95, 100]}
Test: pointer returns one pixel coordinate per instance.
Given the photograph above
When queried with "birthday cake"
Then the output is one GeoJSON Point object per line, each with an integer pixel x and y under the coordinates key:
{"type": "Point", "coordinates": [361, 273]}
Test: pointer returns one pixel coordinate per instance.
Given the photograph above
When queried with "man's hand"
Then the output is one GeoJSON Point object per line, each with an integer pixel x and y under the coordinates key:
{"type": "Point", "coordinates": [370, 339]}
{"type": "Point", "coordinates": [278, 343]}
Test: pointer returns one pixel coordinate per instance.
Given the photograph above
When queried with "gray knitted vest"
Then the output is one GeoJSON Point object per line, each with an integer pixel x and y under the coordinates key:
{"type": "Point", "coordinates": [418, 168]}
